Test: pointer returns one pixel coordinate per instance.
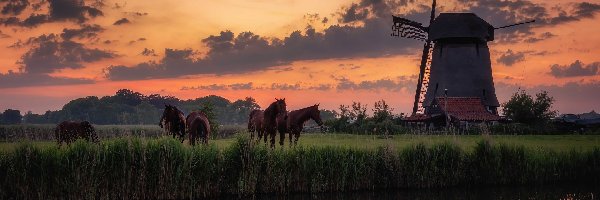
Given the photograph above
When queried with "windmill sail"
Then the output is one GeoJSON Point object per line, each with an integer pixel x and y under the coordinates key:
{"type": "Point", "coordinates": [408, 29]}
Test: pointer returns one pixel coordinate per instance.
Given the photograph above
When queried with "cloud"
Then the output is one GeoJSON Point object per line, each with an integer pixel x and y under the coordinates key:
{"type": "Point", "coordinates": [58, 10]}
{"type": "Point", "coordinates": [48, 54]}
{"type": "Point", "coordinates": [321, 87]}
{"type": "Point", "coordinates": [148, 52]}
{"type": "Point", "coordinates": [353, 13]}
{"type": "Point", "coordinates": [12, 80]}
{"type": "Point", "coordinates": [121, 21]}
{"type": "Point", "coordinates": [575, 69]}
{"type": "Point", "coordinates": [509, 58]}
{"type": "Point", "coordinates": [235, 86]}
{"type": "Point", "coordinates": [3, 35]}
{"type": "Point", "coordinates": [51, 53]}
{"type": "Point", "coordinates": [86, 31]}
{"type": "Point", "coordinates": [541, 37]}
{"type": "Point", "coordinates": [285, 86]}
{"type": "Point", "coordinates": [14, 7]}
{"type": "Point", "coordinates": [380, 84]}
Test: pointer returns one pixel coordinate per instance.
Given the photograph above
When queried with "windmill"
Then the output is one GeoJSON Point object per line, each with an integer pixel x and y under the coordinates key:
{"type": "Point", "coordinates": [455, 60]}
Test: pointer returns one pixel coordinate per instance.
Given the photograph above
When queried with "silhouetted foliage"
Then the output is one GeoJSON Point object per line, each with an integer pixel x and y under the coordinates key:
{"type": "Point", "coordinates": [10, 116]}
{"type": "Point", "coordinates": [522, 108]}
{"type": "Point", "coordinates": [354, 119]}
{"type": "Point", "coordinates": [129, 107]}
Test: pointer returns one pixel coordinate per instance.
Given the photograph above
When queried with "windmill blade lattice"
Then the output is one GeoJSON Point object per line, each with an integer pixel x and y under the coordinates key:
{"type": "Point", "coordinates": [408, 29]}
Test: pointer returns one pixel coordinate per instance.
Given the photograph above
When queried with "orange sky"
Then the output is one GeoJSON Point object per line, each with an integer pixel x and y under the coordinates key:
{"type": "Point", "coordinates": [184, 25]}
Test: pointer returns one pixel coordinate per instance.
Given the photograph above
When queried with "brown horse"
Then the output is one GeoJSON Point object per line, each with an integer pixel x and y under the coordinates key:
{"type": "Point", "coordinates": [69, 131]}
{"type": "Point", "coordinates": [295, 122]}
{"type": "Point", "coordinates": [174, 121]}
{"type": "Point", "coordinates": [269, 119]}
{"type": "Point", "coordinates": [198, 127]}
{"type": "Point", "coordinates": [255, 123]}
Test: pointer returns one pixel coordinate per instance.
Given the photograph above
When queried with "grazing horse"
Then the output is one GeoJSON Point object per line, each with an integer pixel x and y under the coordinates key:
{"type": "Point", "coordinates": [198, 127]}
{"type": "Point", "coordinates": [174, 121]}
{"type": "Point", "coordinates": [295, 122]}
{"type": "Point", "coordinates": [269, 119]}
{"type": "Point", "coordinates": [69, 131]}
{"type": "Point", "coordinates": [255, 123]}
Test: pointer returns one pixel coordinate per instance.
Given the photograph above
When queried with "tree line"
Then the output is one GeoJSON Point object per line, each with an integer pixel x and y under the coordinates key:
{"type": "Point", "coordinates": [129, 107]}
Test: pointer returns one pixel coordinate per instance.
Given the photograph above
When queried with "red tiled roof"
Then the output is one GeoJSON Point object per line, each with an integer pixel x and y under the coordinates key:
{"type": "Point", "coordinates": [466, 109]}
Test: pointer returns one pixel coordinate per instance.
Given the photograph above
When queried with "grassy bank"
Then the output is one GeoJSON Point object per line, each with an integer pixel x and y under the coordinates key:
{"type": "Point", "coordinates": [164, 168]}
{"type": "Point", "coordinates": [45, 132]}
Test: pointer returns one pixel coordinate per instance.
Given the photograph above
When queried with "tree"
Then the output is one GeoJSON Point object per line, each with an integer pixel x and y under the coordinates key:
{"type": "Point", "coordinates": [11, 116]}
{"type": "Point", "coordinates": [522, 108]}
{"type": "Point", "coordinates": [382, 111]}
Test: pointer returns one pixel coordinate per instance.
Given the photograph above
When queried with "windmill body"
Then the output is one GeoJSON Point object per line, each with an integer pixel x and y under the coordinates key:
{"type": "Point", "coordinates": [458, 66]}
{"type": "Point", "coordinates": [460, 61]}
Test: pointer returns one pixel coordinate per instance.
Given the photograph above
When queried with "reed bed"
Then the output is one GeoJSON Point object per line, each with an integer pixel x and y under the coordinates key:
{"type": "Point", "coordinates": [133, 168]}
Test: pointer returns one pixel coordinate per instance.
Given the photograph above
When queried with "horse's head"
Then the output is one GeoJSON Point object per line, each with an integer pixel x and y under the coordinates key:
{"type": "Point", "coordinates": [315, 114]}
{"type": "Point", "coordinates": [169, 114]}
{"type": "Point", "coordinates": [281, 107]}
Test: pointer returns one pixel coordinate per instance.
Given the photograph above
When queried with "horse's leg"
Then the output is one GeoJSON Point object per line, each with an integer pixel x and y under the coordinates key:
{"type": "Point", "coordinates": [281, 138]}
{"type": "Point", "coordinates": [297, 134]}
{"type": "Point", "coordinates": [291, 135]}
{"type": "Point", "coordinates": [272, 134]}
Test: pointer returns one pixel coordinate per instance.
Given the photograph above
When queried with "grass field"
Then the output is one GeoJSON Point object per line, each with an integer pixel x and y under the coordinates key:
{"type": "Point", "coordinates": [466, 142]}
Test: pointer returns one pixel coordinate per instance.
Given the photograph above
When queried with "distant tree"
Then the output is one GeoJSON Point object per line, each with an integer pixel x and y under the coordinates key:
{"type": "Point", "coordinates": [208, 109]}
{"type": "Point", "coordinates": [358, 112]}
{"type": "Point", "coordinates": [382, 111]}
{"type": "Point", "coordinates": [522, 108]}
{"type": "Point", "coordinates": [328, 114]}
{"type": "Point", "coordinates": [11, 116]}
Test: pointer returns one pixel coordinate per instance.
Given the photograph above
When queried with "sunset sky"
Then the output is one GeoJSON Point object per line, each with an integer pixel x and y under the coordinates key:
{"type": "Point", "coordinates": [311, 51]}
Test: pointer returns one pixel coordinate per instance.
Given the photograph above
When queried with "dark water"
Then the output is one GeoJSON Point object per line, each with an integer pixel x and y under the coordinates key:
{"type": "Point", "coordinates": [521, 192]}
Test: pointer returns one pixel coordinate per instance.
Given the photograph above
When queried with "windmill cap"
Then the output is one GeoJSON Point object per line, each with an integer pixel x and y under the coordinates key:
{"type": "Point", "coordinates": [460, 25]}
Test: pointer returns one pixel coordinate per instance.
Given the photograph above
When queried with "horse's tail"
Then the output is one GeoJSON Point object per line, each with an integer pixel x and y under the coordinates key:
{"type": "Point", "coordinates": [205, 128]}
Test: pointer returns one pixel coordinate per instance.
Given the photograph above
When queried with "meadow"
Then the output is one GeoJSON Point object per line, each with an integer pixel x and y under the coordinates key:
{"type": "Point", "coordinates": [137, 167]}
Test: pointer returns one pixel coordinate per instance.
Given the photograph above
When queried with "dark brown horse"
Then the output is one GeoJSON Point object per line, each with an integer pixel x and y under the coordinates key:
{"type": "Point", "coordinates": [255, 124]}
{"type": "Point", "coordinates": [69, 131]}
{"type": "Point", "coordinates": [174, 121]}
{"type": "Point", "coordinates": [295, 122]}
{"type": "Point", "coordinates": [198, 127]}
{"type": "Point", "coordinates": [269, 119]}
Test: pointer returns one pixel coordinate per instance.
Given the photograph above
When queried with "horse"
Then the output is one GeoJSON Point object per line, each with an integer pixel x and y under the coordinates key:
{"type": "Point", "coordinates": [198, 127]}
{"type": "Point", "coordinates": [69, 131]}
{"type": "Point", "coordinates": [269, 119]}
{"type": "Point", "coordinates": [295, 122]}
{"type": "Point", "coordinates": [174, 121]}
{"type": "Point", "coordinates": [255, 123]}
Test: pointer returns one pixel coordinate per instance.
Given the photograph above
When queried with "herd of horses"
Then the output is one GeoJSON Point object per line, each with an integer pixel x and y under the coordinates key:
{"type": "Point", "coordinates": [264, 123]}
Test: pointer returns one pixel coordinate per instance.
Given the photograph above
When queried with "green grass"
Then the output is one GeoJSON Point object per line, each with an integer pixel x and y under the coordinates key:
{"type": "Point", "coordinates": [163, 168]}
{"type": "Point", "coordinates": [559, 143]}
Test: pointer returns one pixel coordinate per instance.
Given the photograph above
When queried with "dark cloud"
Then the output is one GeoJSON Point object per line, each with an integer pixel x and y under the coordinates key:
{"type": "Point", "coordinates": [58, 10]}
{"type": "Point", "coordinates": [148, 52]}
{"type": "Point", "coordinates": [122, 21]}
{"type": "Point", "coordinates": [12, 80]}
{"type": "Point", "coordinates": [353, 13]}
{"type": "Point", "coordinates": [575, 69]}
{"type": "Point", "coordinates": [381, 84]}
{"type": "Point", "coordinates": [86, 31]}
{"type": "Point", "coordinates": [285, 86]}
{"type": "Point", "coordinates": [72, 10]}
{"type": "Point", "coordinates": [48, 54]}
{"type": "Point", "coordinates": [235, 86]}
{"type": "Point", "coordinates": [14, 7]}
{"type": "Point", "coordinates": [541, 37]}
{"type": "Point", "coordinates": [230, 53]}
{"type": "Point", "coordinates": [509, 57]}
{"type": "Point", "coordinates": [321, 87]}
{"type": "Point", "coordinates": [325, 20]}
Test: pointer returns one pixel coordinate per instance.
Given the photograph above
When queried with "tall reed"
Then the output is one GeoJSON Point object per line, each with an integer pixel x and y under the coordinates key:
{"type": "Point", "coordinates": [164, 168]}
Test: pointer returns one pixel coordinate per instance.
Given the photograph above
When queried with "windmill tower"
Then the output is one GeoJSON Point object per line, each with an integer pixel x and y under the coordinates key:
{"type": "Point", "coordinates": [456, 58]}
